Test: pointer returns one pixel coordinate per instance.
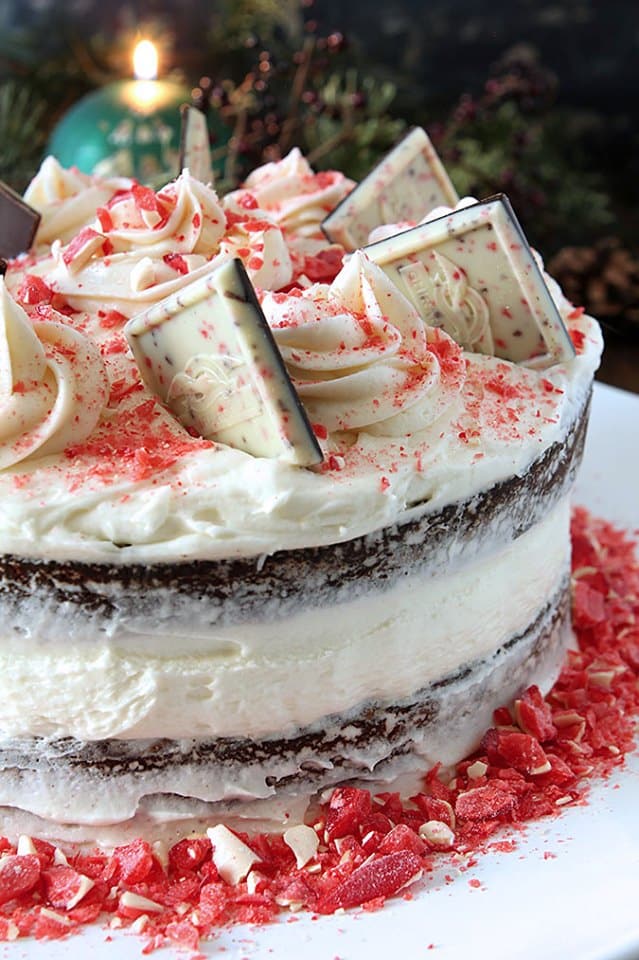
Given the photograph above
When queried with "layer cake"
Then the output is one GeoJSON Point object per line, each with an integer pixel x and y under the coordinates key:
{"type": "Point", "coordinates": [188, 631]}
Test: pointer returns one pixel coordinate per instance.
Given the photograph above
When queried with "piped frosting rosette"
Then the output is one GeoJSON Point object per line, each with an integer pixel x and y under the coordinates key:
{"type": "Point", "coordinates": [67, 199]}
{"type": "Point", "coordinates": [184, 217]}
{"type": "Point", "coordinates": [360, 356]}
{"type": "Point", "coordinates": [53, 385]}
{"type": "Point", "coordinates": [146, 245]}
{"type": "Point", "coordinates": [296, 197]}
{"type": "Point", "coordinates": [254, 238]}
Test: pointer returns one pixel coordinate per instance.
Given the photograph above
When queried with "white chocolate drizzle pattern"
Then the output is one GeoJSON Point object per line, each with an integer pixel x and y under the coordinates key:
{"type": "Point", "coordinates": [445, 298]}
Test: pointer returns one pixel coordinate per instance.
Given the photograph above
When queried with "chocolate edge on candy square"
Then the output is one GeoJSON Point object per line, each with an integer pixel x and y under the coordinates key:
{"type": "Point", "coordinates": [376, 191]}
{"type": "Point", "coordinates": [18, 223]}
{"type": "Point", "coordinates": [208, 353]}
{"type": "Point", "coordinates": [195, 149]}
{"type": "Point", "coordinates": [487, 291]}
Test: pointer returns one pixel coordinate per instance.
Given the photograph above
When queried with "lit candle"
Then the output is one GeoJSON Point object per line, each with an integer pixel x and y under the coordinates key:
{"type": "Point", "coordinates": [128, 128]}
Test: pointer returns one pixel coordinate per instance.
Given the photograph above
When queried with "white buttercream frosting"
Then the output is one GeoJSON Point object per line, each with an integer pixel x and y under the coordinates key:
{"type": "Point", "coordinates": [184, 217]}
{"type": "Point", "coordinates": [142, 246]}
{"type": "Point", "coordinates": [253, 236]}
{"type": "Point", "coordinates": [443, 426]}
{"type": "Point", "coordinates": [53, 384]}
{"type": "Point", "coordinates": [295, 196]}
{"type": "Point", "coordinates": [359, 353]}
{"type": "Point", "coordinates": [148, 491]}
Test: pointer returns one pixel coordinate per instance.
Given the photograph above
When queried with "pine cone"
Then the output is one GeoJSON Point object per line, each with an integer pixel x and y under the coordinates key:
{"type": "Point", "coordinates": [603, 278]}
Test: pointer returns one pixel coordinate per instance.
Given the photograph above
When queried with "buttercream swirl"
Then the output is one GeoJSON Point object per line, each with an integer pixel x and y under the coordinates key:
{"type": "Point", "coordinates": [67, 199]}
{"type": "Point", "coordinates": [360, 355]}
{"type": "Point", "coordinates": [296, 197]}
{"type": "Point", "coordinates": [184, 217]}
{"type": "Point", "coordinates": [254, 238]}
{"type": "Point", "coordinates": [144, 246]}
{"type": "Point", "coordinates": [53, 385]}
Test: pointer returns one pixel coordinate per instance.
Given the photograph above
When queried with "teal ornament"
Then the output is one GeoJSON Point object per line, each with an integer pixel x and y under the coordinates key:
{"type": "Point", "coordinates": [130, 128]}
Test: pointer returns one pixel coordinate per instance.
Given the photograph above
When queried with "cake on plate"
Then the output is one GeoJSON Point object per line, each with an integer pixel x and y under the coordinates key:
{"type": "Point", "coordinates": [189, 630]}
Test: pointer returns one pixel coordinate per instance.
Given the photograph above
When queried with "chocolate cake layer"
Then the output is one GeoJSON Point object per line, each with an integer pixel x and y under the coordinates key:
{"type": "Point", "coordinates": [106, 780]}
{"type": "Point", "coordinates": [269, 587]}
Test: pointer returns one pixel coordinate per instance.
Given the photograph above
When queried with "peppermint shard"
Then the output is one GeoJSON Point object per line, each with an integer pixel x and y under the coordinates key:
{"type": "Point", "coordinates": [208, 353]}
{"type": "Point", "coordinates": [473, 274]}
{"type": "Point", "coordinates": [405, 186]}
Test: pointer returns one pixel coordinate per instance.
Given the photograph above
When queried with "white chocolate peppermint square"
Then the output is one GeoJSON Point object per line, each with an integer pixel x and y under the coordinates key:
{"type": "Point", "coordinates": [195, 149]}
{"type": "Point", "coordinates": [209, 354]}
{"type": "Point", "coordinates": [404, 187]}
{"type": "Point", "coordinates": [473, 274]}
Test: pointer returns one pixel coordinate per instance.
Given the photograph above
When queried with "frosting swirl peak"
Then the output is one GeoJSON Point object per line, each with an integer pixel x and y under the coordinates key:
{"type": "Point", "coordinates": [296, 197]}
{"type": "Point", "coordinates": [360, 356]}
{"type": "Point", "coordinates": [53, 384]}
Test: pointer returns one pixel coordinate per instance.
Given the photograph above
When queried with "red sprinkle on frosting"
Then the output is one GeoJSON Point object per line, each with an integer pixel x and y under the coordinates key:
{"type": "Point", "coordinates": [176, 261]}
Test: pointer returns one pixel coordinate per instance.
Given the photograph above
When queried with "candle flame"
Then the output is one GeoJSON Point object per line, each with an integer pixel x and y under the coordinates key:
{"type": "Point", "coordinates": [145, 61]}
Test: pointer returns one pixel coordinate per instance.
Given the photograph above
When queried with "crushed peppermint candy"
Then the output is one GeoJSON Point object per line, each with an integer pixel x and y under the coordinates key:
{"type": "Point", "coordinates": [362, 849]}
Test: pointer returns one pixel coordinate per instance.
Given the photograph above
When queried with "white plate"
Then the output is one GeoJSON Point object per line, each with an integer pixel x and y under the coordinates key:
{"type": "Point", "coordinates": [569, 891]}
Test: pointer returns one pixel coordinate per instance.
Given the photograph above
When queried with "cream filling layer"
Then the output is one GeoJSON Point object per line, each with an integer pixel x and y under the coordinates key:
{"type": "Point", "coordinates": [255, 680]}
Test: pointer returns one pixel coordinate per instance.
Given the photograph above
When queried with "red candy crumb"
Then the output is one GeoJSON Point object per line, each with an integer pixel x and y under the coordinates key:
{"type": "Point", "coordinates": [64, 887]}
{"type": "Point", "coordinates": [34, 290]}
{"type": "Point", "coordinates": [324, 266]}
{"type": "Point", "coordinates": [135, 861]}
{"type": "Point", "coordinates": [177, 262]}
{"type": "Point", "coordinates": [536, 759]}
{"type": "Point", "coordinates": [578, 338]}
{"type": "Point", "coordinates": [18, 875]}
{"type": "Point", "coordinates": [112, 319]}
{"type": "Point", "coordinates": [375, 878]}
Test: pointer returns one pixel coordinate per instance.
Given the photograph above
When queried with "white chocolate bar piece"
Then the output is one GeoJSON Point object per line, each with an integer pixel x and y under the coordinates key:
{"type": "Point", "coordinates": [209, 354]}
{"type": "Point", "coordinates": [405, 186]}
{"type": "Point", "coordinates": [195, 149]}
{"type": "Point", "coordinates": [473, 273]}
